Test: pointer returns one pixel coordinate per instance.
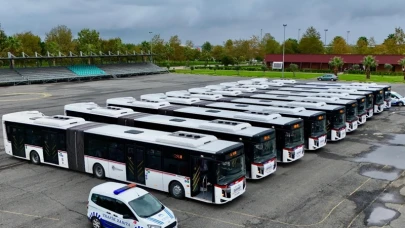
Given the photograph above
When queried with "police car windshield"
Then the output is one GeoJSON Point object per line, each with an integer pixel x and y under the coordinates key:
{"type": "Point", "coordinates": [146, 206]}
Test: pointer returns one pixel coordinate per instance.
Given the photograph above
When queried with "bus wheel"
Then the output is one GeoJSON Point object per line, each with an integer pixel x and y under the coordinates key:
{"type": "Point", "coordinates": [95, 223]}
{"type": "Point", "coordinates": [176, 190]}
{"type": "Point", "coordinates": [98, 171]}
{"type": "Point", "coordinates": [35, 158]}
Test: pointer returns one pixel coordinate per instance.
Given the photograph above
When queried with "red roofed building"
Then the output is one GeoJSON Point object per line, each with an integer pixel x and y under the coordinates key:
{"type": "Point", "coordinates": [321, 61]}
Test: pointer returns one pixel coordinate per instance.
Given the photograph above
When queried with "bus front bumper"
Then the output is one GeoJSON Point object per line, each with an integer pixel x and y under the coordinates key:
{"type": "Point", "coordinates": [293, 154]}
{"type": "Point", "coordinates": [370, 112]}
{"type": "Point", "coordinates": [362, 119]}
{"type": "Point", "coordinates": [351, 126]}
{"type": "Point", "coordinates": [315, 143]}
{"type": "Point", "coordinates": [338, 134]}
{"type": "Point", "coordinates": [379, 108]}
{"type": "Point", "coordinates": [225, 194]}
{"type": "Point", "coordinates": [258, 171]}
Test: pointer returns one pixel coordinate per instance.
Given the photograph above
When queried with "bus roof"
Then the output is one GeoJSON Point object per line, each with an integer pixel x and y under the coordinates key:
{"type": "Point", "coordinates": [93, 108]}
{"type": "Point", "coordinates": [39, 119]}
{"type": "Point", "coordinates": [217, 125]}
{"type": "Point", "coordinates": [311, 93]}
{"type": "Point", "coordinates": [303, 104]}
{"type": "Point", "coordinates": [184, 139]}
{"type": "Point", "coordinates": [318, 98]}
{"type": "Point", "coordinates": [130, 101]}
{"type": "Point", "coordinates": [287, 110]}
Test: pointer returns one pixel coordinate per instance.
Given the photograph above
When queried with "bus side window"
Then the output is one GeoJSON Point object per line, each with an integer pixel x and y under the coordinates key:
{"type": "Point", "coordinates": [116, 152]}
{"type": "Point", "coordinates": [62, 141]}
{"type": "Point", "coordinates": [153, 159]}
{"type": "Point", "coordinates": [176, 163]}
{"type": "Point", "coordinates": [33, 137]}
{"type": "Point", "coordinates": [97, 147]}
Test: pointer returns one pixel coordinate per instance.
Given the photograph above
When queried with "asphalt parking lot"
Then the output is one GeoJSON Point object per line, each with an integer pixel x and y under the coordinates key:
{"type": "Point", "coordinates": [357, 182]}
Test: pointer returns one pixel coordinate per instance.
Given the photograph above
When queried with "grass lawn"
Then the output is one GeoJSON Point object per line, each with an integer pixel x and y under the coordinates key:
{"type": "Point", "coordinates": [298, 75]}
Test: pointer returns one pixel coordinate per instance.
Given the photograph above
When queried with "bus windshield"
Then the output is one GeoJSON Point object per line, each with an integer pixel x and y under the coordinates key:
{"type": "Point", "coordinates": [388, 94]}
{"type": "Point", "coordinates": [369, 102]}
{"type": "Point", "coordinates": [230, 170]}
{"type": "Point", "coordinates": [264, 151]}
{"type": "Point", "coordinates": [318, 128]}
{"type": "Point", "coordinates": [362, 107]}
{"type": "Point", "coordinates": [294, 137]}
{"type": "Point", "coordinates": [339, 120]}
{"type": "Point", "coordinates": [379, 98]}
{"type": "Point", "coordinates": [351, 112]}
{"type": "Point", "coordinates": [146, 206]}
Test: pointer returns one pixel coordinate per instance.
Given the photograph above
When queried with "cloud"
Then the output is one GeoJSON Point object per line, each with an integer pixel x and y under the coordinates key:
{"type": "Point", "coordinates": [205, 20]}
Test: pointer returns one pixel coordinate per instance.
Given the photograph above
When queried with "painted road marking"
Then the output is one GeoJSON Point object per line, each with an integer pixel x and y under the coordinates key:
{"type": "Point", "coordinates": [28, 215]}
{"type": "Point", "coordinates": [39, 96]}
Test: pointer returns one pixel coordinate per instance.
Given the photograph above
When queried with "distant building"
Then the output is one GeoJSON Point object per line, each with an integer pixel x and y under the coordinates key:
{"type": "Point", "coordinates": [321, 61]}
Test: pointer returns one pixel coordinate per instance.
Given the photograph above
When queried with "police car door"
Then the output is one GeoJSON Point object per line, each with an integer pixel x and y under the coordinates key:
{"type": "Point", "coordinates": [107, 207]}
{"type": "Point", "coordinates": [125, 217]}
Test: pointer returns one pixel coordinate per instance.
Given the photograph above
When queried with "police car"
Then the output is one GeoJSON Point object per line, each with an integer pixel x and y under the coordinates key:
{"type": "Point", "coordinates": [397, 99]}
{"type": "Point", "coordinates": [118, 205]}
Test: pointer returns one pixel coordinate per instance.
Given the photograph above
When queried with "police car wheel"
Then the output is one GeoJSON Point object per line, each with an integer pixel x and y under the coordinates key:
{"type": "Point", "coordinates": [400, 104]}
{"type": "Point", "coordinates": [95, 222]}
{"type": "Point", "coordinates": [35, 157]}
{"type": "Point", "coordinates": [176, 190]}
{"type": "Point", "coordinates": [98, 171]}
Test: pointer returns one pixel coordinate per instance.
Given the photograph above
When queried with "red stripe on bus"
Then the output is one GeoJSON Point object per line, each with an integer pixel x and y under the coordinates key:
{"type": "Point", "coordinates": [104, 159]}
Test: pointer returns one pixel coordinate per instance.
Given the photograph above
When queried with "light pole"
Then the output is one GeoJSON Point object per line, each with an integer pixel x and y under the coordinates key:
{"type": "Point", "coordinates": [284, 25]}
{"type": "Point", "coordinates": [347, 37]}
{"type": "Point", "coordinates": [325, 36]}
{"type": "Point", "coordinates": [151, 55]}
{"type": "Point", "coordinates": [299, 32]}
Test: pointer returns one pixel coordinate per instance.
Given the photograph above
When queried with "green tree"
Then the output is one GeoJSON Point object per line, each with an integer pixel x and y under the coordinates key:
{"type": "Point", "coordinates": [114, 45]}
{"type": "Point", "coordinates": [227, 60]}
{"type": "Point", "coordinates": [291, 46]}
{"type": "Point", "coordinates": [228, 46]}
{"type": "Point", "coordinates": [206, 47]}
{"type": "Point", "coordinates": [169, 51]}
{"type": "Point", "coordinates": [30, 43]}
{"type": "Point", "coordinates": [271, 46]}
{"type": "Point", "coordinates": [52, 47]}
{"type": "Point", "coordinates": [89, 41]}
{"type": "Point", "coordinates": [237, 68]}
{"type": "Point", "coordinates": [13, 45]}
{"type": "Point", "coordinates": [401, 62]}
{"type": "Point", "coordinates": [310, 42]}
{"type": "Point", "coordinates": [339, 46]}
{"type": "Point", "coordinates": [205, 56]}
{"type": "Point", "coordinates": [336, 62]}
{"type": "Point", "coordinates": [294, 68]}
{"type": "Point", "coordinates": [368, 62]}
{"type": "Point", "coordinates": [189, 44]}
{"type": "Point", "coordinates": [3, 38]}
{"type": "Point", "coordinates": [362, 46]}
{"type": "Point", "coordinates": [62, 36]}
{"type": "Point", "coordinates": [178, 52]}
{"type": "Point", "coordinates": [388, 67]}
{"type": "Point", "coordinates": [217, 52]}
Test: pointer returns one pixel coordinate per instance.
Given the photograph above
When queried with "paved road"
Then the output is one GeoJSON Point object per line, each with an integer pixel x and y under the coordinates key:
{"type": "Point", "coordinates": [354, 183]}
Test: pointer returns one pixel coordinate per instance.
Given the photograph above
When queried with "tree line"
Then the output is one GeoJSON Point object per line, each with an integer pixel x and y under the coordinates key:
{"type": "Point", "coordinates": [61, 39]}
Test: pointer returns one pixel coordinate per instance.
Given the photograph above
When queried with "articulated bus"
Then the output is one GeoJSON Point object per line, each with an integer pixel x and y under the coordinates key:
{"type": "Point", "coordinates": [369, 101]}
{"type": "Point", "coordinates": [185, 164]}
{"type": "Point", "coordinates": [350, 106]}
{"type": "Point", "coordinates": [314, 134]}
{"type": "Point", "coordinates": [361, 100]}
{"type": "Point", "coordinates": [378, 94]}
{"type": "Point", "coordinates": [386, 89]}
{"type": "Point", "coordinates": [289, 131]}
{"type": "Point", "coordinates": [335, 115]}
{"type": "Point", "coordinates": [259, 143]}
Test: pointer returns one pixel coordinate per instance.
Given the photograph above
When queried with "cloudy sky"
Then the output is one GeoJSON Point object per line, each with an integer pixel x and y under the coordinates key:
{"type": "Point", "coordinates": [206, 20]}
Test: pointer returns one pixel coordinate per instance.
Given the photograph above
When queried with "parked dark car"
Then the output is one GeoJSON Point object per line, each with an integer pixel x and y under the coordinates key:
{"type": "Point", "coordinates": [328, 77]}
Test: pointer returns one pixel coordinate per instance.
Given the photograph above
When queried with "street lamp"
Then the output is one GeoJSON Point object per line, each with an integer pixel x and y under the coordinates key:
{"type": "Point", "coordinates": [347, 37]}
{"type": "Point", "coordinates": [325, 36]}
{"type": "Point", "coordinates": [151, 55]}
{"type": "Point", "coordinates": [299, 32]}
{"type": "Point", "coordinates": [285, 25]}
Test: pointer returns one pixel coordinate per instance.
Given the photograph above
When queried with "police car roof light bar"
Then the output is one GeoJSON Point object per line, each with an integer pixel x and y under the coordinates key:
{"type": "Point", "coordinates": [123, 189]}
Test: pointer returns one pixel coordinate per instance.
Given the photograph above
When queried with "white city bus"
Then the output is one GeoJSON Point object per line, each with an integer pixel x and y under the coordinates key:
{"type": "Point", "coordinates": [259, 143]}
{"type": "Point", "coordinates": [185, 164]}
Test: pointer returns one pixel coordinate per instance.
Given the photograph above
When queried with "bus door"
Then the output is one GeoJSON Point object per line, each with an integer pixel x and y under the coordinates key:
{"type": "Point", "coordinates": [201, 186]}
{"type": "Point", "coordinates": [49, 147]}
{"type": "Point", "coordinates": [135, 164]}
{"type": "Point", "coordinates": [17, 141]}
